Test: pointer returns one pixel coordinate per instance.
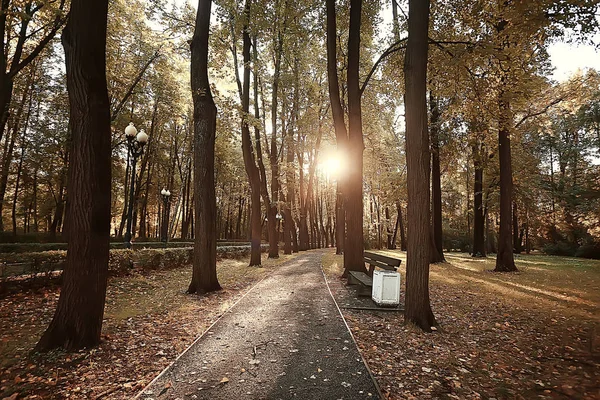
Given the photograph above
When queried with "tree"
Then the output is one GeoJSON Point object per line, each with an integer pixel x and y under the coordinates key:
{"type": "Point", "coordinates": [77, 322]}
{"type": "Point", "coordinates": [204, 273]}
{"type": "Point", "coordinates": [418, 308]}
{"type": "Point", "coordinates": [247, 148]}
{"type": "Point", "coordinates": [15, 57]}
{"type": "Point", "coordinates": [437, 252]}
{"type": "Point", "coordinates": [339, 123]}
{"type": "Point", "coordinates": [354, 246]}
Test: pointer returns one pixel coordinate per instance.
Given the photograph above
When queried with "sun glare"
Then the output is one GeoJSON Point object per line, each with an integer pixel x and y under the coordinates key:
{"type": "Point", "coordinates": [332, 165]}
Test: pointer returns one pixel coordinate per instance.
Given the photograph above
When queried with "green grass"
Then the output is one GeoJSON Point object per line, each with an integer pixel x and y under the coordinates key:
{"type": "Point", "coordinates": [545, 281]}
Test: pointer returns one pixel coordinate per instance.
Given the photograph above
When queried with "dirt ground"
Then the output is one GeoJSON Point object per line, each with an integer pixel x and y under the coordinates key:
{"type": "Point", "coordinates": [531, 334]}
{"type": "Point", "coordinates": [149, 320]}
{"type": "Point", "coordinates": [525, 335]}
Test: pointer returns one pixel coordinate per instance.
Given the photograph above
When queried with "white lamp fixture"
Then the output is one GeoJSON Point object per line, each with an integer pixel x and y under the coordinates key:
{"type": "Point", "coordinates": [130, 130]}
{"type": "Point", "coordinates": [142, 137]}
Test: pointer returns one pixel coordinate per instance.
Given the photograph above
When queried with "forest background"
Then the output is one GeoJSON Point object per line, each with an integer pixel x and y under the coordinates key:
{"type": "Point", "coordinates": [555, 143]}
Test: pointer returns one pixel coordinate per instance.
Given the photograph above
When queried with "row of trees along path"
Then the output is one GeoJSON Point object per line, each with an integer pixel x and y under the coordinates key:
{"type": "Point", "coordinates": [91, 145]}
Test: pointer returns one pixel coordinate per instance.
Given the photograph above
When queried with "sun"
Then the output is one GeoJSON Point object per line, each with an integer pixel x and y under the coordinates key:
{"type": "Point", "coordinates": [332, 165]}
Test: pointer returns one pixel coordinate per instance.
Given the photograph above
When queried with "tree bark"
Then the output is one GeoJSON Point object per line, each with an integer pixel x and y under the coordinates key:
{"type": "Point", "coordinates": [247, 148]}
{"type": "Point", "coordinates": [77, 322]}
{"type": "Point", "coordinates": [341, 135]}
{"type": "Point", "coordinates": [354, 244]}
{"type": "Point", "coordinates": [270, 206]}
{"type": "Point", "coordinates": [436, 182]}
{"type": "Point", "coordinates": [505, 261]}
{"type": "Point", "coordinates": [204, 271]}
{"type": "Point", "coordinates": [418, 308]}
{"type": "Point", "coordinates": [479, 249]}
{"type": "Point", "coordinates": [518, 239]}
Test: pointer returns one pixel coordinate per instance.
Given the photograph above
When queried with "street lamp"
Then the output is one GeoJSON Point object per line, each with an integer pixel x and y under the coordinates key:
{"type": "Point", "coordinates": [135, 148]}
{"type": "Point", "coordinates": [166, 194]}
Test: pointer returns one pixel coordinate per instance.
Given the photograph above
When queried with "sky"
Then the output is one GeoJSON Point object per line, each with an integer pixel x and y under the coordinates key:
{"type": "Point", "coordinates": [567, 59]}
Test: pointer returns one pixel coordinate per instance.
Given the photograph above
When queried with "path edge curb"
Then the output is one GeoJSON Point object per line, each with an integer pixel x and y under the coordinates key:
{"type": "Point", "coordinates": [164, 371]}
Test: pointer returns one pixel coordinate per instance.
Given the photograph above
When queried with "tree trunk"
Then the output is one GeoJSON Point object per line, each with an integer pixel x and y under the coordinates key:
{"type": "Point", "coordinates": [249, 159]}
{"type": "Point", "coordinates": [10, 144]}
{"type": "Point", "coordinates": [354, 245]}
{"type": "Point", "coordinates": [77, 322]}
{"type": "Point", "coordinates": [17, 186]}
{"type": "Point", "coordinates": [418, 308]}
{"type": "Point", "coordinates": [436, 182]}
{"type": "Point", "coordinates": [341, 135]}
{"type": "Point", "coordinates": [204, 271]}
{"type": "Point", "coordinates": [271, 206]}
{"type": "Point", "coordinates": [505, 261]}
{"type": "Point", "coordinates": [402, 229]}
{"type": "Point", "coordinates": [388, 230]}
{"type": "Point", "coordinates": [479, 249]}
{"type": "Point", "coordinates": [518, 240]}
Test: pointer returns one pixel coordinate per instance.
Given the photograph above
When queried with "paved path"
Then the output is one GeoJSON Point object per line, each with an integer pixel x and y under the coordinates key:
{"type": "Point", "coordinates": [284, 340]}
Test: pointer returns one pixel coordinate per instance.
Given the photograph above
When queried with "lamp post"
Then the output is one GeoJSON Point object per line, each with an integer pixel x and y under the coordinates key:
{"type": "Point", "coordinates": [135, 148]}
{"type": "Point", "coordinates": [278, 218]}
{"type": "Point", "coordinates": [166, 194]}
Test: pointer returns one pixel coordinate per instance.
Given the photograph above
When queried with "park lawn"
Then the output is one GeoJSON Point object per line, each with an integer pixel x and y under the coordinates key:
{"type": "Point", "coordinates": [530, 334]}
{"type": "Point", "coordinates": [149, 320]}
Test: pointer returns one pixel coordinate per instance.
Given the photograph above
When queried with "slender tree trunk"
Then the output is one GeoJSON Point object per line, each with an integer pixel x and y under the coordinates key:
{"type": "Point", "coordinates": [388, 230]}
{"type": "Point", "coordinates": [249, 159]}
{"type": "Point", "coordinates": [270, 206]}
{"type": "Point", "coordinates": [204, 272]}
{"type": "Point", "coordinates": [341, 135]}
{"type": "Point", "coordinates": [402, 229]}
{"type": "Point", "coordinates": [354, 245]}
{"type": "Point", "coordinates": [418, 308]}
{"type": "Point", "coordinates": [479, 248]}
{"type": "Point", "coordinates": [77, 322]}
{"type": "Point", "coordinates": [17, 187]}
{"type": "Point", "coordinates": [518, 239]}
{"type": "Point", "coordinates": [35, 201]}
{"type": "Point", "coordinates": [436, 182]}
{"type": "Point", "coordinates": [505, 261]}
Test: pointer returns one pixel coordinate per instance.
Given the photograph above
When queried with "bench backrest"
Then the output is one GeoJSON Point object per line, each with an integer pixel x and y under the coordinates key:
{"type": "Point", "coordinates": [381, 261]}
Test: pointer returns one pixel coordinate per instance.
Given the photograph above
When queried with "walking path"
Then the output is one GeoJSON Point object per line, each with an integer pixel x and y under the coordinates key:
{"type": "Point", "coordinates": [285, 339]}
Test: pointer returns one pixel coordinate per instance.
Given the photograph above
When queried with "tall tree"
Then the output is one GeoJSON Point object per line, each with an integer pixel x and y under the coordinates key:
{"type": "Point", "coordinates": [247, 148]}
{"type": "Point", "coordinates": [354, 246]}
{"type": "Point", "coordinates": [505, 261]}
{"type": "Point", "coordinates": [77, 322]}
{"type": "Point", "coordinates": [418, 308]}
{"type": "Point", "coordinates": [339, 123]}
{"type": "Point", "coordinates": [204, 273]}
{"type": "Point", "coordinates": [436, 181]}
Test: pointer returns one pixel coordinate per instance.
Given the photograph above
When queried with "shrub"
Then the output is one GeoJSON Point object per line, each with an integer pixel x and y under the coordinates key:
{"type": "Point", "coordinates": [589, 250]}
{"type": "Point", "coordinates": [120, 260]}
{"type": "Point", "coordinates": [561, 248]}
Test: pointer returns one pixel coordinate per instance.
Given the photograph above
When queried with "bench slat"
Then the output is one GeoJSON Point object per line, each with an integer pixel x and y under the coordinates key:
{"type": "Point", "coordinates": [381, 258]}
{"type": "Point", "coordinates": [364, 280]}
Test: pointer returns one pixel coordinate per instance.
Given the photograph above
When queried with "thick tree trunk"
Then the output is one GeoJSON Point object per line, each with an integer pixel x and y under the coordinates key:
{"type": "Point", "coordinates": [354, 244]}
{"type": "Point", "coordinates": [77, 322]}
{"type": "Point", "coordinates": [505, 261]}
{"type": "Point", "coordinates": [418, 308]}
{"type": "Point", "coordinates": [204, 272]}
{"type": "Point", "coordinates": [436, 182]}
{"type": "Point", "coordinates": [247, 149]}
{"type": "Point", "coordinates": [479, 249]}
